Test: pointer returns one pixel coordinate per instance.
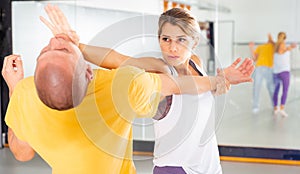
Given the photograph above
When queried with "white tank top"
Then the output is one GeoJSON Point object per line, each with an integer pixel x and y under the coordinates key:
{"type": "Point", "coordinates": [182, 138]}
{"type": "Point", "coordinates": [282, 62]}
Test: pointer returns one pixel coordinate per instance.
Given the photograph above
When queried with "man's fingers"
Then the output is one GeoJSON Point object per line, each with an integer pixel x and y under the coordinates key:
{"type": "Point", "coordinates": [19, 64]}
{"type": "Point", "coordinates": [9, 61]}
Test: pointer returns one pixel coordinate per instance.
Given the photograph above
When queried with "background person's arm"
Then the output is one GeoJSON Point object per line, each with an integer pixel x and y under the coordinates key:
{"type": "Point", "coordinates": [252, 50]}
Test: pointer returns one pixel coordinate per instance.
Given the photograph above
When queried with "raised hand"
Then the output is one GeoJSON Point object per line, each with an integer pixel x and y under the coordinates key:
{"type": "Point", "coordinates": [239, 74]}
{"type": "Point", "coordinates": [251, 44]}
{"type": "Point", "coordinates": [58, 23]}
{"type": "Point", "coordinates": [12, 71]}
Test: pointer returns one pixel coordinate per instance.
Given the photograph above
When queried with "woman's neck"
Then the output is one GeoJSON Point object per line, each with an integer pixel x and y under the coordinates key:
{"type": "Point", "coordinates": [183, 69]}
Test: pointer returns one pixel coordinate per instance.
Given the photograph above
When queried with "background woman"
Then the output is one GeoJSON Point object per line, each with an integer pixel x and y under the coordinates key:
{"type": "Point", "coordinates": [281, 71]}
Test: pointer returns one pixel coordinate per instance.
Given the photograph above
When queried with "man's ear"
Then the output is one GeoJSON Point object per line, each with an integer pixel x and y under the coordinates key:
{"type": "Point", "coordinates": [89, 73]}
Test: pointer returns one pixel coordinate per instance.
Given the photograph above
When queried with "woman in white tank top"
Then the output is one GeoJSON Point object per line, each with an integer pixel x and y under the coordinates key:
{"type": "Point", "coordinates": [281, 72]}
{"type": "Point", "coordinates": [185, 140]}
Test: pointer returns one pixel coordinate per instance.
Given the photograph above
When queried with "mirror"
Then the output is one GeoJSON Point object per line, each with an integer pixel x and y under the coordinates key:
{"type": "Point", "coordinates": [239, 126]}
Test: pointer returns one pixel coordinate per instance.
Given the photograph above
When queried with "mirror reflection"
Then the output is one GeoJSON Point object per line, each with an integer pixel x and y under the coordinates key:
{"type": "Point", "coordinates": [249, 120]}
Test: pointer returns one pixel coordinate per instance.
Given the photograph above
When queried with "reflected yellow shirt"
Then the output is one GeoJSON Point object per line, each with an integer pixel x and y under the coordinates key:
{"type": "Point", "coordinates": [96, 136]}
{"type": "Point", "coordinates": [265, 55]}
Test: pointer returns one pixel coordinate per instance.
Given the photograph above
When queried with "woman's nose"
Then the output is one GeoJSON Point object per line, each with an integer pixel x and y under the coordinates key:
{"type": "Point", "coordinates": [173, 46]}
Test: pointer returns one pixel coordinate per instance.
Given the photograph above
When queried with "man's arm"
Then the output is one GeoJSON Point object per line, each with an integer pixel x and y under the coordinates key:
{"type": "Point", "coordinates": [21, 150]}
{"type": "Point", "coordinates": [12, 73]}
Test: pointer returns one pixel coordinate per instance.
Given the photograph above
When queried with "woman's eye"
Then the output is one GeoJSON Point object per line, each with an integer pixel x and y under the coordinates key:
{"type": "Point", "coordinates": [165, 39]}
{"type": "Point", "coordinates": [181, 39]}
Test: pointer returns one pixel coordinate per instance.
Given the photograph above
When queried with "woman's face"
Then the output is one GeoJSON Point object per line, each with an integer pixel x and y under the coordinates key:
{"type": "Point", "coordinates": [176, 46]}
{"type": "Point", "coordinates": [282, 36]}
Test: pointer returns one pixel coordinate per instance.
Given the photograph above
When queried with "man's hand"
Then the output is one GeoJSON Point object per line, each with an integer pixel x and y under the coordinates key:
{"type": "Point", "coordinates": [59, 23]}
{"type": "Point", "coordinates": [12, 71]}
{"type": "Point", "coordinates": [239, 74]}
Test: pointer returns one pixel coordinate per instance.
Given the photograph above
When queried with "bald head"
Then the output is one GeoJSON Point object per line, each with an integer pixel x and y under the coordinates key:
{"type": "Point", "coordinates": [61, 76]}
{"type": "Point", "coordinates": [54, 85]}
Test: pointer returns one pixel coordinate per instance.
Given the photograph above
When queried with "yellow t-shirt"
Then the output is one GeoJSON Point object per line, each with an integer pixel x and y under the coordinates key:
{"type": "Point", "coordinates": [96, 136]}
{"type": "Point", "coordinates": [265, 55]}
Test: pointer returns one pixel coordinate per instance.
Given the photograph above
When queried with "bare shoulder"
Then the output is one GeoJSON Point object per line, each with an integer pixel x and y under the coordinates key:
{"type": "Point", "coordinates": [197, 60]}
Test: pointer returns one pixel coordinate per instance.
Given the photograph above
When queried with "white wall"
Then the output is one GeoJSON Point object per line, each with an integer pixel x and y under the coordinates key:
{"type": "Point", "coordinates": [142, 6]}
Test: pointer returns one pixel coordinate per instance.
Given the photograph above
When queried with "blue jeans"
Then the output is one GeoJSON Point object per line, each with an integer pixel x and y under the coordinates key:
{"type": "Point", "coordinates": [261, 73]}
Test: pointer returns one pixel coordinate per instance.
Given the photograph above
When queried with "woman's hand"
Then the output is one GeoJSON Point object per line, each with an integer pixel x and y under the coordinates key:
{"type": "Point", "coordinates": [59, 24]}
{"type": "Point", "coordinates": [239, 74]}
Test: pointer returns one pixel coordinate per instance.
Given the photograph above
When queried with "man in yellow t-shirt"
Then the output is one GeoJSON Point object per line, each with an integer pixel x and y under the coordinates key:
{"type": "Point", "coordinates": [263, 58]}
{"type": "Point", "coordinates": [68, 140]}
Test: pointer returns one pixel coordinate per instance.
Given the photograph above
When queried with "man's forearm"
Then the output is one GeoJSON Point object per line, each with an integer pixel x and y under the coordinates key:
{"type": "Point", "coordinates": [21, 150]}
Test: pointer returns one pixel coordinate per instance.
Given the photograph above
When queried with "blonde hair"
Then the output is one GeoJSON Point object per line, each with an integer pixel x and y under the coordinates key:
{"type": "Point", "coordinates": [181, 18]}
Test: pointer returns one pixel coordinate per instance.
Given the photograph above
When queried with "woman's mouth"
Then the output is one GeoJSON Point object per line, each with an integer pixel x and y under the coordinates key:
{"type": "Point", "coordinates": [173, 57]}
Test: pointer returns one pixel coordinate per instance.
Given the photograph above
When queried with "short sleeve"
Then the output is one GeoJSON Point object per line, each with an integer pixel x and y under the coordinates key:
{"type": "Point", "coordinates": [257, 50]}
{"type": "Point", "coordinates": [13, 115]}
{"type": "Point", "coordinates": [135, 92]}
{"type": "Point", "coordinates": [144, 94]}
